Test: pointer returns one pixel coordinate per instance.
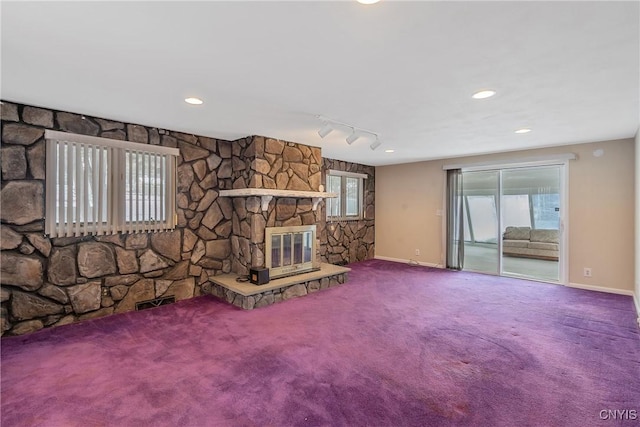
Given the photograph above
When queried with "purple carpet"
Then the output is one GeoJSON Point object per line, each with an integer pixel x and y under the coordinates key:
{"type": "Point", "coordinates": [395, 346]}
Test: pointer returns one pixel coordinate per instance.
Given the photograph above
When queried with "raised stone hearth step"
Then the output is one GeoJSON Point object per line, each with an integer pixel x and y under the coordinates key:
{"type": "Point", "coordinates": [246, 295]}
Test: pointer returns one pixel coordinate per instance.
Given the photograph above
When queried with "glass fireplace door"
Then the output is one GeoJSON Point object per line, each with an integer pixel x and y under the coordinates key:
{"type": "Point", "coordinates": [290, 250]}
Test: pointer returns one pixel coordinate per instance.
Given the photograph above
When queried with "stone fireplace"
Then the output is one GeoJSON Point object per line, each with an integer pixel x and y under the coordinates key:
{"type": "Point", "coordinates": [290, 250]}
{"type": "Point", "coordinates": [274, 184]}
{"type": "Point", "coordinates": [278, 221]}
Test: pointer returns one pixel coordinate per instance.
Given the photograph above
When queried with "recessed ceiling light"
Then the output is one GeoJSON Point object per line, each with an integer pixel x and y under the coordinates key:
{"type": "Point", "coordinates": [193, 101]}
{"type": "Point", "coordinates": [523, 130]}
{"type": "Point", "coordinates": [487, 93]}
{"type": "Point", "coordinates": [389, 151]}
{"type": "Point", "coordinates": [368, 1]}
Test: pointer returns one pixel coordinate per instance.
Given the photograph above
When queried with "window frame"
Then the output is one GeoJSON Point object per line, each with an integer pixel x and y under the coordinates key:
{"type": "Point", "coordinates": [343, 196]}
{"type": "Point", "coordinates": [114, 154]}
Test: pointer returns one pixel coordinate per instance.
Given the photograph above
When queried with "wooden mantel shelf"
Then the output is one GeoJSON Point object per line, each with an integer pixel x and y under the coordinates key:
{"type": "Point", "coordinates": [267, 194]}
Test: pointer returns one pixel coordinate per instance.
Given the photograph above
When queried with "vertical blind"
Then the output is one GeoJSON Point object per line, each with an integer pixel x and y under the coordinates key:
{"type": "Point", "coordinates": [105, 186]}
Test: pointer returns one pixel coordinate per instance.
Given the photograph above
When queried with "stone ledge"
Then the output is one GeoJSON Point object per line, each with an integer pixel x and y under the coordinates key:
{"type": "Point", "coordinates": [228, 281]}
{"type": "Point", "coordinates": [267, 194]}
{"type": "Point", "coordinates": [246, 192]}
{"type": "Point", "coordinates": [284, 288]}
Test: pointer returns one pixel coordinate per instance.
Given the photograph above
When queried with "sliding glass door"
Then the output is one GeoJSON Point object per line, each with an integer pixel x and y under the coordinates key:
{"type": "Point", "coordinates": [531, 222]}
{"type": "Point", "coordinates": [513, 221]}
{"type": "Point", "coordinates": [481, 228]}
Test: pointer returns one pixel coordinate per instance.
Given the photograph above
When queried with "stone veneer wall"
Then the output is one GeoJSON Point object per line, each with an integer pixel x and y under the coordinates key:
{"type": "Point", "coordinates": [350, 241]}
{"type": "Point", "coordinates": [50, 282]}
{"type": "Point", "coordinates": [270, 163]}
{"type": "Point", "coordinates": [47, 282]}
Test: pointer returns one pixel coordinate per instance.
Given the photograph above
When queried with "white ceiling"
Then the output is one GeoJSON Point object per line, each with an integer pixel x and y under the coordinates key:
{"type": "Point", "coordinates": [405, 70]}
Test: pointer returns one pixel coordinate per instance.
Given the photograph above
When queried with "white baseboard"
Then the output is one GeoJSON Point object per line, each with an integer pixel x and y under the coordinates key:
{"type": "Point", "coordinates": [408, 261]}
{"type": "Point", "coordinates": [601, 289]}
{"type": "Point", "coordinates": [636, 299]}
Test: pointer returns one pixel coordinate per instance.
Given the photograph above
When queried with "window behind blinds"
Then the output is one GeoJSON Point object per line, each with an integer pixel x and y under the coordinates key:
{"type": "Point", "coordinates": [350, 188]}
{"type": "Point", "coordinates": [104, 186]}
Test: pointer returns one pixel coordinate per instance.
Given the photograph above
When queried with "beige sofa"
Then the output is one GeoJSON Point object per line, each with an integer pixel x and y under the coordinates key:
{"type": "Point", "coordinates": [528, 243]}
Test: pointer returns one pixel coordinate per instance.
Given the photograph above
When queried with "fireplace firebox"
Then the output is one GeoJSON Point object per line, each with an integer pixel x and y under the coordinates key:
{"type": "Point", "coordinates": [290, 250]}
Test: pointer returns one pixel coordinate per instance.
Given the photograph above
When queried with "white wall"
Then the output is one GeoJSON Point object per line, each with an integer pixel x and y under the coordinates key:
{"type": "Point", "coordinates": [637, 224]}
{"type": "Point", "coordinates": [601, 211]}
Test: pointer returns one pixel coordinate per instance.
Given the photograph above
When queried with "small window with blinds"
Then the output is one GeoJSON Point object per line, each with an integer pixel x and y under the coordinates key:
{"type": "Point", "coordinates": [105, 186]}
{"type": "Point", "coordinates": [350, 188]}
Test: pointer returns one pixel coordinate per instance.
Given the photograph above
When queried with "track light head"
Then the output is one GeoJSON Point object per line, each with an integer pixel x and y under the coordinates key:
{"type": "Point", "coordinates": [375, 144]}
{"type": "Point", "coordinates": [325, 130]}
{"type": "Point", "coordinates": [329, 125]}
{"type": "Point", "coordinates": [353, 137]}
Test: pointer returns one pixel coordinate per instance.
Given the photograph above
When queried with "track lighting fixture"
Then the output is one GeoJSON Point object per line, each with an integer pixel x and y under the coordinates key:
{"type": "Point", "coordinates": [329, 125]}
{"type": "Point", "coordinates": [353, 137]}
{"type": "Point", "coordinates": [325, 130]}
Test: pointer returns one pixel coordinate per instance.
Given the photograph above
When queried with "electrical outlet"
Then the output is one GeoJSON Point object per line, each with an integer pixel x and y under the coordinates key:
{"type": "Point", "coordinates": [587, 272]}
{"type": "Point", "coordinates": [105, 292]}
{"type": "Point", "coordinates": [417, 252]}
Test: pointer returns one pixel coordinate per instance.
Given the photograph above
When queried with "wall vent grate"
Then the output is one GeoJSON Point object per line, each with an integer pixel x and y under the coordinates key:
{"type": "Point", "coordinates": [143, 305]}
